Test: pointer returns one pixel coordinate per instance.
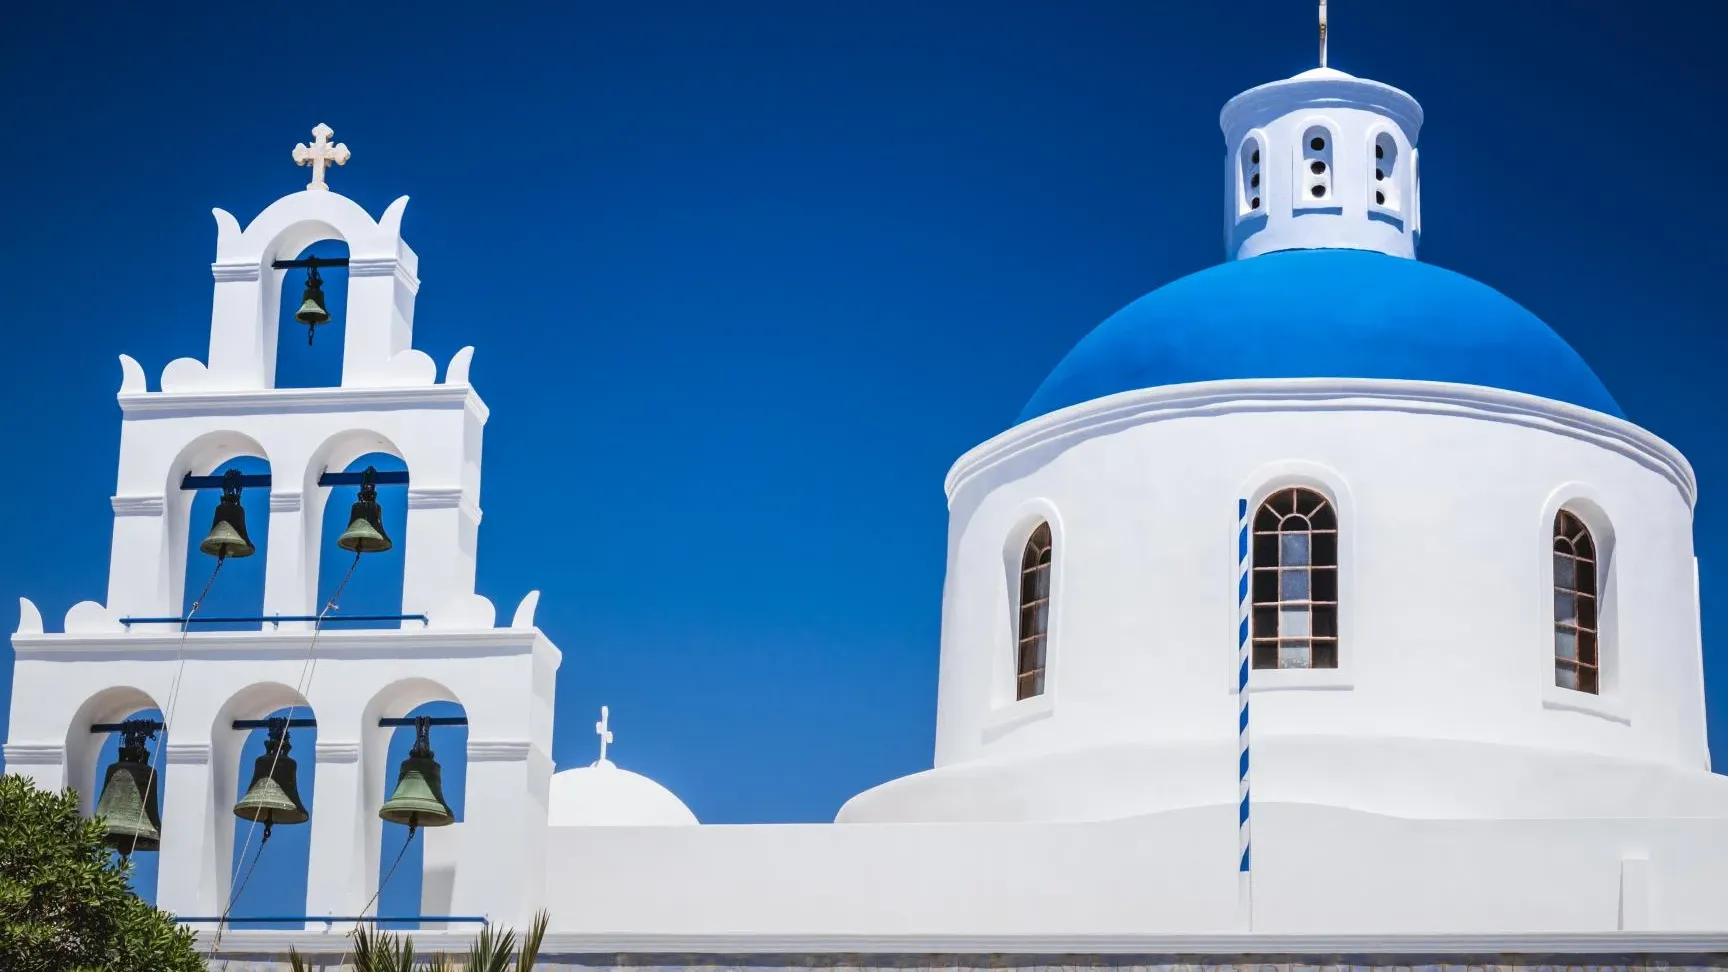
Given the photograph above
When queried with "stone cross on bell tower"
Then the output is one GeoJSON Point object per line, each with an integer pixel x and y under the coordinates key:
{"type": "Point", "coordinates": [320, 154]}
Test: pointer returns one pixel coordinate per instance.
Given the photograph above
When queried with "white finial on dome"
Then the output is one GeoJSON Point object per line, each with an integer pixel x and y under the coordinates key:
{"type": "Point", "coordinates": [602, 730]}
{"type": "Point", "coordinates": [320, 154]}
{"type": "Point", "coordinates": [1322, 33]}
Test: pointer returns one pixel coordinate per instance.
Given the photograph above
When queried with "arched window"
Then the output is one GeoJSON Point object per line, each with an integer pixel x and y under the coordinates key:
{"type": "Point", "coordinates": [1576, 659]}
{"type": "Point", "coordinates": [1384, 188]}
{"type": "Point", "coordinates": [1295, 564]}
{"type": "Point", "coordinates": [1033, 630]}
{"type": "Point", "coordinates": [1316, 174]}
{"type": "Point", "coordinates": [1250, 194]}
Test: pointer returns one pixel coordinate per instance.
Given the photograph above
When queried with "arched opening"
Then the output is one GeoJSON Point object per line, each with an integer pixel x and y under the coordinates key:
{"type": "Point", "coordinates": [258, 876]}
{"type": "Point", "coordinates": [1383, 189]}
{"type": "Point", "coordinates": [1250, 190]}
{"type": "Point", "coordinates": [237, 589]}
{"type": "Point", "coordinates": [370, 583]}
{"type": "Point", "coordinates": [123, 794]}
{"type": "Point", "coordinates": [1316, 173]}
{"type": "Point", "coordinates": [416, 876]}
{"type": "Point", "coordinates": [1032, 614]}
{"type": "Point", "coordinates": [1295, 581]}
{"type": "Point", "coordinates": [310, 356]}
{"type": "Point", "coordinates": [1578, 593]}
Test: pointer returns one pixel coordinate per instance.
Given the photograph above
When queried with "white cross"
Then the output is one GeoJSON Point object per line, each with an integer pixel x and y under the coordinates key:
{"type": "Point", "coordinates": [604, 733]}
{"type": "Point", "coordinates": [320, 154]}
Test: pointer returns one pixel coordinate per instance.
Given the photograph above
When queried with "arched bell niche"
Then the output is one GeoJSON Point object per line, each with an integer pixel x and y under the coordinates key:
{"type": "Point", "coordinates": [311, 356]}
{"type": "Point", "coordinates": [90, 756]}
{"type": "Point", "coordinates": [374, 579]}
{"type": "Point", "coordinates": [266, 877]}
{"type": "Point", "coordinates": [421, 883]}
{"type": "Point", "coordinates": [237, 590]}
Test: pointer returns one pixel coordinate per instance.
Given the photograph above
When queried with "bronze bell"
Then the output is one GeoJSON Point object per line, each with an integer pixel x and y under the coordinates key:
{"type": "Point", "coordinates": [419, 797]}
{"type": "Point", "coordinates": [227, 538]}
{"type": "Point", "coordinates": [312, 311]}
{"type": "Point", "coordinates": [129, 794]}
{"type": "Point", "coordinates": [273, 796]}
{"type": "Point", "coordinates": [365, 533]}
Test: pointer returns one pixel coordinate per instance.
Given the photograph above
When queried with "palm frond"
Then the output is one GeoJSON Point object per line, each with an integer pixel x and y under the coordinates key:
{"type": "Point", "coordinates": [491, 950]}
{"type": "Point", "coordinates": [531, 942]}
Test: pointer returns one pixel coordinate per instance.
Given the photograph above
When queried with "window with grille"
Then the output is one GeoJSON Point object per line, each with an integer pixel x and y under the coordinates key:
{"type": "Point", "coordinates": [1295, 581]}
{"type": "Point", "coordinates": [1033, 629]}
{"type": "Point", "coordinates": [1577, 662]}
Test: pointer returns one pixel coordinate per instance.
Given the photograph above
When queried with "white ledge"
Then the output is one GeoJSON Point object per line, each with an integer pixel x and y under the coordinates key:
{"type": "Point", "coordinates": [1206, 398]}
{"type": "Point", "coordinates": [278, 400]}
{"type": "Point", "coordinates": [33, 754]}
{"type": "Point", "coordinates": [336, 752]}
{"type": "Point", "coordinates": [1617, 945]}
{"type": "Point", "coordinates": [498, 750]}
{"type": "Point", "coordinates": [161, 645]}
{"type": "Point", "coordinates": [188, 754]}
{"type": "Point", "coordinates": [151, 505]}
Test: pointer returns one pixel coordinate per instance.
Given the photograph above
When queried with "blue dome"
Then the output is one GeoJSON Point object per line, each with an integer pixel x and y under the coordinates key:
{"type": "Point", "coordinates": [1322, 314]}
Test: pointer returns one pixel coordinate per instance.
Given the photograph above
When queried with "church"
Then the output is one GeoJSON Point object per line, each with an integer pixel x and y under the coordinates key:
{"type": "Point", "coordinates": [1242, 662]}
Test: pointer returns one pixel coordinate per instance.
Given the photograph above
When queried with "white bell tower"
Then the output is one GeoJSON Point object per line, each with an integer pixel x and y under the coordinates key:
{"type": "Point", "coordinates": [1321, 160]}
{"type": "Point", "coordinates": [136, 651]}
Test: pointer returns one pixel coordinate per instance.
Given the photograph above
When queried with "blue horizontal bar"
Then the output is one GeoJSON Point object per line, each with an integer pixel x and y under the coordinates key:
{"type": "Point", "coordinates": [265, 724]}
{"type": "Point", "coordinates": [332, 919]}
{"type": "Point", "coordinates": [277, 618]}
{"type": "Point", "coordinates": [122, 727]}
{"type": "Point", "coordinates": [262, 480]}
{"type": "Point", "coordinates": [430, 720]}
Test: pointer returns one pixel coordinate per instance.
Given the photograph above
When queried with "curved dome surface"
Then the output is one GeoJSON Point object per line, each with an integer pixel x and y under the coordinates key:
{"type": "Point", "coordinates": [1322, 314]}
{"type": "Point", "coordinates": [602, 795]}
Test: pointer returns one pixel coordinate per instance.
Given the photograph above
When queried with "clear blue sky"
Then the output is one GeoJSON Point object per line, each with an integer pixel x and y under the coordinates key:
{"type": "Point", "coordinates": [745, 278]}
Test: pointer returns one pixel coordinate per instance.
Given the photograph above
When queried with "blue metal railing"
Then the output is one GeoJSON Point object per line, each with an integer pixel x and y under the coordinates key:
{"type": "Point", "coordinates": [329, 920]}
{"type": "Point", "coordinates": [275, 618]}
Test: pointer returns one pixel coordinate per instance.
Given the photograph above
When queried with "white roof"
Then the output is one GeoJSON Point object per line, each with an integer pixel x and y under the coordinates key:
{"type": "Point", "coordinates": [602, 795]}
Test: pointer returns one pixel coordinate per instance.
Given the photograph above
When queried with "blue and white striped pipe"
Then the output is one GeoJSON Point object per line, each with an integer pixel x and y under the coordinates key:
{"type": "Point", "coordinates": [1242, 646]}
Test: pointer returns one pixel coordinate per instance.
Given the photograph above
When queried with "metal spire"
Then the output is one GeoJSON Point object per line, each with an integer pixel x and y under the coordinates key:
{"type": "Point", "coordinates": [1322, 33]}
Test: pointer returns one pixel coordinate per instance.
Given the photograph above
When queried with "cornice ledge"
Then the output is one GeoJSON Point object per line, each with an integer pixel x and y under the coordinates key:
{"type": "Point", "coordinates": [390, 266]}
{"type": "Point", "coordinates": [498, 750]}
{"type": "Point", "coordinates": [1331, 394]}
{"type": "Point", "coordinates": [232, 272]}
{"type": "Point", "coordinates": [1614, 945]}
{"type": "Point", "coordinates": [33, 754]}
{"type": "Point", "coordinates": [151, 505]}
{"type": "Point", "coordinates": [406, 643]}
{"type": "Point", "coordinates": [284, 501]}
{"type": "Point", "coordinates": [336, 752]}
{"type": "Point", "coordinates": [278, 400]}
{"type": "Point", "coordinates": [188, 754]}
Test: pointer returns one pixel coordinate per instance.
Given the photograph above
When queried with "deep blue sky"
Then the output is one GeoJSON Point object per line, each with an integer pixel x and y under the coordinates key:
{"type": "Point", "coordinates": [745, 278]}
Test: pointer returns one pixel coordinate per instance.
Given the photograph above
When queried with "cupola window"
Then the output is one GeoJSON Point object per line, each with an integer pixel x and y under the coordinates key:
{"type": "Point", "coordinates": [1383, 188]}
{"type": "Point", "coordinates": [1295, 581]}
{"type": "Point", "coordinates": [1315, 176]}
{"type": "Point", "coordinates": [1033, 629]}
{"type": "Point", "coordinates": [1250, 191]}
{"type": "Point", "coordinates": [1577, 656]}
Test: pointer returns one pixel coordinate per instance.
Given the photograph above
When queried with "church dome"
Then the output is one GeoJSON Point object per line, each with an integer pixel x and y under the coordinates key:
{"type": "Point", "coordinates": [602, 795]}
{"type": "Point", "coordinates": [1322, 313]}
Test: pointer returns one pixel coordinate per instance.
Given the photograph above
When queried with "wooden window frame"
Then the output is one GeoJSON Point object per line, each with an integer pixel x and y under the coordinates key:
{"type": "Point", "coordinates": [1302, 523]}
{"type": "Point", "coordinates": [1032, 614]}
{"type": "Point", "coordinates": [1577, 605]}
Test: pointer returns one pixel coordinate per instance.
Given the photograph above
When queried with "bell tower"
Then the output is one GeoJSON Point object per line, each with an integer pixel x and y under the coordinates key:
{"type": "Point", "coordinates": [1323, 160]}
{"type": "Point", "coordinates": [141, 647]}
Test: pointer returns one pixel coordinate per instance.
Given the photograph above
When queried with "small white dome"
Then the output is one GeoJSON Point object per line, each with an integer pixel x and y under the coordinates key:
{"type": "Point", "coordinates": [602, 795]}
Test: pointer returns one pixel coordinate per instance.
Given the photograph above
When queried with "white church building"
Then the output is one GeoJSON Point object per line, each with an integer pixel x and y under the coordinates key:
{"type": "Point", "coordinates": [1321, 608]}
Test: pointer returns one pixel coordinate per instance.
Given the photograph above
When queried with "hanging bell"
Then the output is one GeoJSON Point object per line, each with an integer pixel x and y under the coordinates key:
{"type": "Point", "coordinates": [227, 537]}
{"type": "Point", "coordinates": [273, 797]}
{"type": "Point", "coordinates": [365, 533]}
{"type": "Point", "coordinates": [129, 795]}
{"type": "Point", "coordinates": [419, 797]}
{"type": "Point", "coordinates": [312, 311]}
